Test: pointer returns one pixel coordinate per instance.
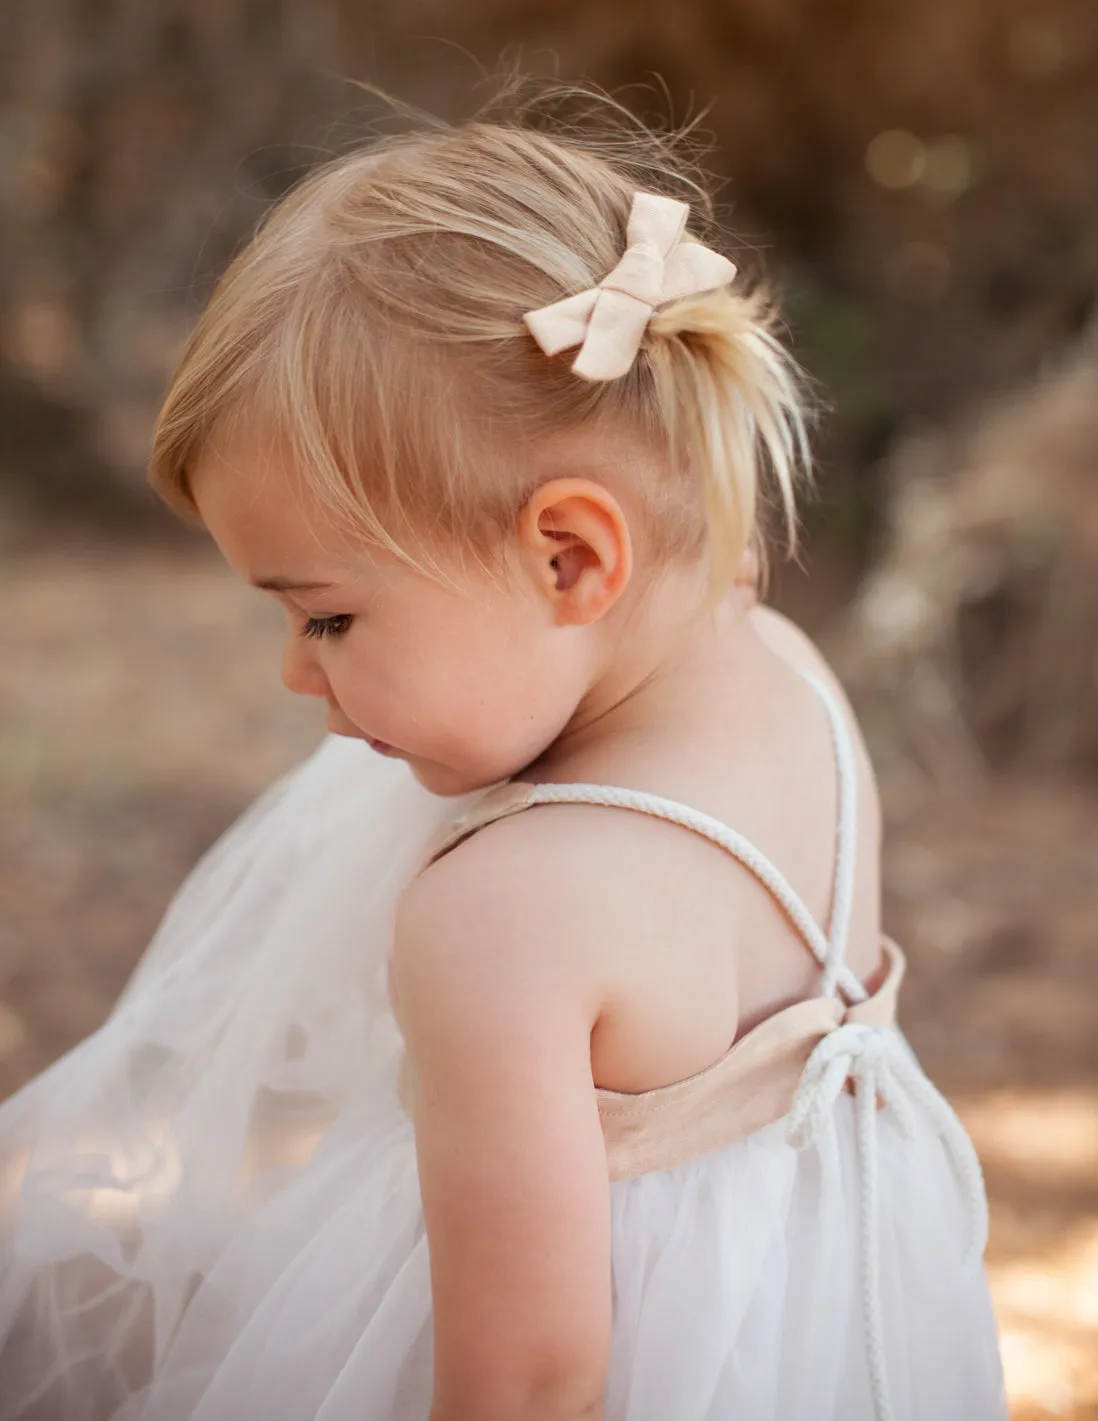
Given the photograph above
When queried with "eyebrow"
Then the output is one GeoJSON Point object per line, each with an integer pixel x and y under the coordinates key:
{"type": "Point", "coordinates": [284, 584]}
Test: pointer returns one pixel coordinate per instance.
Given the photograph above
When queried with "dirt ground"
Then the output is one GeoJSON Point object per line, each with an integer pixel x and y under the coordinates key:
{"type": "Point", "coordinates": [141, 710]}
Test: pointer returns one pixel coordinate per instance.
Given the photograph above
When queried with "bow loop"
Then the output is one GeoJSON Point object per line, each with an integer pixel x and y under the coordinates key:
{"type": "Point", "coordinates": [656, 221]}
{"type": "Point", "coordinates": [608, 321]}
{"type": "Point", "coordinates": [692, 269]}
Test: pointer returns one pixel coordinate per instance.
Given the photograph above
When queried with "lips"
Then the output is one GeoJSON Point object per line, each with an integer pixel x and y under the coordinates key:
{"type": "Point", "coordinates": [338, 725]}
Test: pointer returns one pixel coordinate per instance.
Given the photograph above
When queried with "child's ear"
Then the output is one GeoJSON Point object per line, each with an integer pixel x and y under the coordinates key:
{"type": "Point", "coordinates": [576, 541]}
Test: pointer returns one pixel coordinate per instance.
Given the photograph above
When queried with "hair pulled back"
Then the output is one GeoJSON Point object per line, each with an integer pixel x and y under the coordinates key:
{"type": "Point", "coordinates": [374, 320]}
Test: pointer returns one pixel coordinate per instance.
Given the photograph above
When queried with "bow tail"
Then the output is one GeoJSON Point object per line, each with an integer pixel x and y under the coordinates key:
{"type": "Point", "coordinates": [614, 334]}
{"type": "Point", "coordinates": [564, 323]}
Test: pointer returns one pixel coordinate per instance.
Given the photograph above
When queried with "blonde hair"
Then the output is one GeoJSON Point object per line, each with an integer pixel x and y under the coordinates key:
{"type": "Point", "coordinates": [375, 318]}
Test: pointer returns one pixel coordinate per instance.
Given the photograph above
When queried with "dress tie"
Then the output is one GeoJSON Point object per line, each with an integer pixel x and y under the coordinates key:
{"type": "Point", "coordinates": [875, 1059]}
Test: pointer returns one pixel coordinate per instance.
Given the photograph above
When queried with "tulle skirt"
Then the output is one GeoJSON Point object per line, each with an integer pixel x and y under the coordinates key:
{"type": "Point", "coordinates": [209, 1210]}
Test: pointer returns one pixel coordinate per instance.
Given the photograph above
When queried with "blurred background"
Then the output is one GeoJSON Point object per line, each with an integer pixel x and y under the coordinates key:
{"type": "Point", "coordinates": [920, 179]}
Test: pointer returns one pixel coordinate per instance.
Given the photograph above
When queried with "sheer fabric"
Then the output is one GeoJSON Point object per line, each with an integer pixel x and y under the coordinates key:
{"type": "Point", "coordinates": [209, 1210]}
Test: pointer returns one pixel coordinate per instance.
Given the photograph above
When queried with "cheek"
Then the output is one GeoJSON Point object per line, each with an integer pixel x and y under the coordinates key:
{"type": "Point", "coordinates": [493, 695]}
{"type": "Point", "coordinates": [507, 695]}
{"type": "Point", "coordinates": [489, 675]}
{"type": "Point", "coordinates": [487, 696]}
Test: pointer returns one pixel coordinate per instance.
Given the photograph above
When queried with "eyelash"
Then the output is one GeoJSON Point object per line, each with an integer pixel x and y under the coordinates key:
{"type": "Point", "coordinates": [321, 627]}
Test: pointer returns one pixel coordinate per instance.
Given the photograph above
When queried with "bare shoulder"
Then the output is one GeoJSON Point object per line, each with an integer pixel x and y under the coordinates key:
{"type": "Point", "coordinates": [501, 922]}
{"type": "Point", "coordinates": [795, 646]}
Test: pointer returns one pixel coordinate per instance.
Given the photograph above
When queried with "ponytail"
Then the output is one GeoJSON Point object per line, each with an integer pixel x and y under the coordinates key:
{"type": "Point", "coordinates": [377, 321]}
{"type": "Point", "coordinates": [735, 411]}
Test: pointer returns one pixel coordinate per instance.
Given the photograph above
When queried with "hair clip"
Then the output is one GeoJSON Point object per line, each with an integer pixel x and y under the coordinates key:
{"type": "Point", "coordinates": [608, 321]}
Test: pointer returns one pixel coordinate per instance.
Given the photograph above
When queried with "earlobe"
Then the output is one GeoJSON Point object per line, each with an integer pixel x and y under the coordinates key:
{"type": "Point", "coordinates": [578, 538]}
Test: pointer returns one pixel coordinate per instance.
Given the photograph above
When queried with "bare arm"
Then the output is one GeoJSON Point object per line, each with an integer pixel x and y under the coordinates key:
{"type": "Point", "coordinates": [497, 1020]}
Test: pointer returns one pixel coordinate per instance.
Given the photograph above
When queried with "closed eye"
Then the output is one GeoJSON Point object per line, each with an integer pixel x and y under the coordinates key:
{"type": "Point", "coordinates": [320, 627]}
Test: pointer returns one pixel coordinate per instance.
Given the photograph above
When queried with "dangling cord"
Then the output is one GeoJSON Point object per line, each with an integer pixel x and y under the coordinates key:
{"type": "Point", "coordinates": [865, 1111]}
{"type": "Point", "coordinates": [874, 1058]}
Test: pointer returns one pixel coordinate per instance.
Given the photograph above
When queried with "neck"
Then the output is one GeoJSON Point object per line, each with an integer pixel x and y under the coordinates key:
{"type": "Point", "coordinates": [665, 654]}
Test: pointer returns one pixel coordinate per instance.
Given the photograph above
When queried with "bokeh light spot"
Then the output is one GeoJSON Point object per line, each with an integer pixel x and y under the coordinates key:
{"type": "Point", "coordinates": [895, 158]}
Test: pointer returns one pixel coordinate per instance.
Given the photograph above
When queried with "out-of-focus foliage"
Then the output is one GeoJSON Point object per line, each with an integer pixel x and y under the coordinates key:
{"type": "Point", "coordinates": [973, 643]}
{"type": "Point", "coordinates": [921, 177]}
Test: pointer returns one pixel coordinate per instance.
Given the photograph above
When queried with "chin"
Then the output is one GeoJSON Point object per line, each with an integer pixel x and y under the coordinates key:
{"type": "Point", "coordinates": [447, 782]}
{"type": "Point", "coordinates": [438, 779]}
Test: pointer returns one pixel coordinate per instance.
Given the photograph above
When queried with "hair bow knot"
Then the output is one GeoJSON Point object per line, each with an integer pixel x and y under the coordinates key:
{"type": "Point", "coordinates": [608, 321]}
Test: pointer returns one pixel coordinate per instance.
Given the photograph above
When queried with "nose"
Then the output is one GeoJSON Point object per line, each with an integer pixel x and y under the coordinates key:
{"type": "Point", "coordinates": [301, 672]}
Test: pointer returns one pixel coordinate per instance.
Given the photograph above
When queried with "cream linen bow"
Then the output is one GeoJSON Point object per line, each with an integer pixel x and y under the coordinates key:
{"type": "Point", "coordinates": [608, 321]}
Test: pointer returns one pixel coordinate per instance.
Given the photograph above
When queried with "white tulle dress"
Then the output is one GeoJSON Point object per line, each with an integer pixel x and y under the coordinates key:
{"type": "Point", "coordinates": [210, 1209]}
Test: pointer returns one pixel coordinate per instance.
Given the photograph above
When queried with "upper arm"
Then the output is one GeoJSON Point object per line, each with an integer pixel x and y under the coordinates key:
{"type": "Point", "coordinates": [497, 1019]}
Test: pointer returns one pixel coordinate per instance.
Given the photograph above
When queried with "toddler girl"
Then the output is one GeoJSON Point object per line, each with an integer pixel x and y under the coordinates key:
{"type": "Point", "coordinates": [426, 1102]}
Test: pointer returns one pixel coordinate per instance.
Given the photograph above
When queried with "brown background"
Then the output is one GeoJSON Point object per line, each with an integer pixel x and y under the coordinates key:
{"type": "Point", "coordinates": [922, 181]}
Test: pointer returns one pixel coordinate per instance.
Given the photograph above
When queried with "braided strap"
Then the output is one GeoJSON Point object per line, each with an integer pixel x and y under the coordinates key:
{"type": "Point", "coordinates": [846, 837]}
{"type": "Point", "coordinates": [718, 833]}
{"type": "Point", "coordinates": [875, 1059]}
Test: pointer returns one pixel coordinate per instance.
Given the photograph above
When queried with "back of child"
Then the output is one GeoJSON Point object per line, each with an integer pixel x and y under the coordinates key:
{"type": "Point", "coordinates": [529, 1051]}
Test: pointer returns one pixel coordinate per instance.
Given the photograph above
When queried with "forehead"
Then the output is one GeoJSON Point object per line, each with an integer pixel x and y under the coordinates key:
{"type": "Point", "coordinates": [261, 513]}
